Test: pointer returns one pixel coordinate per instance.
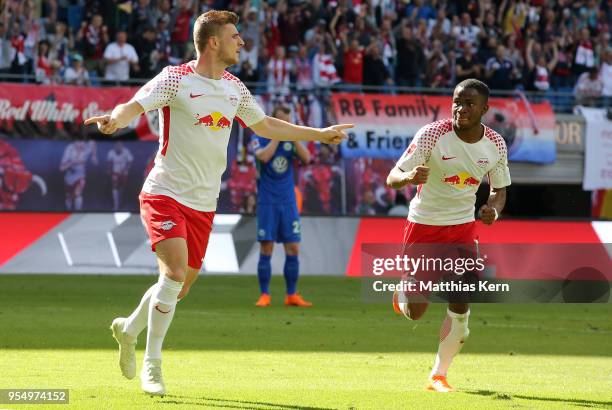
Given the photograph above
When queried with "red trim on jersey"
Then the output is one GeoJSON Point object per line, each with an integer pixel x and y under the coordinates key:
{"type": "Point", "coordinates": [242, 124]}
{"type": "Point", "coordinates": [419, 189]}
{"type": "Point", "coordinates": [188, 65]}
{"type": "Point", "coordinates": [229, 76]}
{"type": "Point", "coordinates": [166, 114]}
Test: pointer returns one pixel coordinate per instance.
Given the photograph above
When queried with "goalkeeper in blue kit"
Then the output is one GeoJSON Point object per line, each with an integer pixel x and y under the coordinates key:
{"type": "Point", "coordinates": [278, 219]}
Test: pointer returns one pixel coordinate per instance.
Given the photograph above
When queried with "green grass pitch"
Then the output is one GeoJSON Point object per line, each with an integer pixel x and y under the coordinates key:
{"type": "Point", "coordinates": [223, 353]}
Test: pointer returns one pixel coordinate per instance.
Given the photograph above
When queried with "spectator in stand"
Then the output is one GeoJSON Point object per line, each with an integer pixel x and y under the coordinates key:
{"type": "Point", "coordinates": [562, 74]}
{"type": "Point", "coordinates": [374, 71]}
{"type": "Point", "coordinates": [119, 56]}
{"type": "Point", "coordinates": [290, 24]}
{"type": "Point", "coordinates": [499, 71]}
{"type": "Point", "coordinates": [278, 70]}
{"type": "Point", "coordinates": [42, 63]}
{"type": "Point", "coordinates": [589, 87]}
{"type": "Point", "coordinates": [76, 74]}
{"type": "Point", "coordinates": [59, 44]}
{"type": "Point", "coordinates": [515, 17]}
{"type": "Point", "coordinates": [387, 46]}
{"type": "Point", "coordinates": [353, 61]}
{"type": "Point", "coordinates": [466, 32]}
{"type": "Point", "coordinates": [410, 59]}
{"type": "Point", "coordinates": [163, 11]}
{"type": "Point", "coordinates": [162, 44]}
{"type": "Point", "coordinates": [467, 65]}
{"type": "Point", "coordinates": [303, 69]}
{"type": "Point", "coordinates": [323, 70]}
{"type": "Point", "coordinates": [180, 24]}
{"type": "Point", "coordinates": [250, 25]}
{"type": "Point", "coordinates": [438, 67]}
{"type": "Point", "coordinates": [420, 10]}
{"type": "Point", "coordinates": [249, 52]}
{"type": "Point", "coordinates": [440, 21]}
{"type": "Point", "coordinates": [585, 56]}
{"type": "Point", "coordinates": [19, 62]}
{"type": "Point", "coordinates": [539, 67]}
{"type": "Point", "coordinates": [92, 39]}
{"type": "Point", "coordinates": [488, 50]}
{"type": "Point", "coordinates": [489, 27]}
{"type": "Point", "coordinates": [247, 73]}
{"type": "Point", "coordinates": [143, 16]}
{"type": "Point", "coordinates": [146, 45]}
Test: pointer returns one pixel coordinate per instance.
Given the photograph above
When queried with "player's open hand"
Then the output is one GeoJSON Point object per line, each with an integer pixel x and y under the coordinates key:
{"type": "Point", "coordinates": [487, 214]}
{"type": "Point", "coordinates": [418, 175]}
{"type": "Point", "coordinates": [335, 134]}
{"type": "Point", "coordinates": [106, 125]}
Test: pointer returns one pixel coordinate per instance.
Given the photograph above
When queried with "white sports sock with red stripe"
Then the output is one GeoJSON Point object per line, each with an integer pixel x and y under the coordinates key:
{"type": "Point", "coordinates": [453, 334]}
{"type": "Point", "coordinates": [161, 310]}
{"type": "Point", "coordinates": [137, 321]}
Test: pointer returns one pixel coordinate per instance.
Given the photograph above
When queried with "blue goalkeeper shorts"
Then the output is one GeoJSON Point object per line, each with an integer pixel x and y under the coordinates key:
{"type": "Point", "coordinates": [278, 222]}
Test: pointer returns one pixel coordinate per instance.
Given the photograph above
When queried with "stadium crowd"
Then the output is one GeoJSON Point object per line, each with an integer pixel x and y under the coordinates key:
{"type": "Point", "coordinates": [532, 45]}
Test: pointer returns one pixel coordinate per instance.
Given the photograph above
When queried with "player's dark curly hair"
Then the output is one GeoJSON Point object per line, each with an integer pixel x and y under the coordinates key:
{"type": "Point", "coordinates": [480, 87]}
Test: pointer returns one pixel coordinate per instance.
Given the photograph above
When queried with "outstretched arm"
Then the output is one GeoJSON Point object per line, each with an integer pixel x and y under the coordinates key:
{"type": "Point", "coordinates": [275, 129]}
{"type": "Point", "coordinates": [120, 117]}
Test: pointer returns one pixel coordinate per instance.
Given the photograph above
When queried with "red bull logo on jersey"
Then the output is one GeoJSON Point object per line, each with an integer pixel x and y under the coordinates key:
{"type": "Point", "coordinates": [461, 181]}
{"type": "Point", "coordinates": [215, 121]}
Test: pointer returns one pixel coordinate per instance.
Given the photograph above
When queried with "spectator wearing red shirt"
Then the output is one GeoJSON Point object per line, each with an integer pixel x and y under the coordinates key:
{"type": "Point", "coordinates": [353, 61]}
{"type": "Point", "coordinates": [181, 21]}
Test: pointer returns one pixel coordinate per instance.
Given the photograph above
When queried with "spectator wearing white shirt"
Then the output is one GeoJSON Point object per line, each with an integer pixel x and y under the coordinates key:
{"type": "Point", "coordinates": [589, 87]}
{"type": "Point", "coordinates": [119, 56]}
{"type": "Point", "coordinates": [606, 74]}
{"type": "Point", "coordinates": [466, 32]}
{"type": "Point", "coordinates": [76, 74]}
{"type": "Point", "coordinates": [249, 52]}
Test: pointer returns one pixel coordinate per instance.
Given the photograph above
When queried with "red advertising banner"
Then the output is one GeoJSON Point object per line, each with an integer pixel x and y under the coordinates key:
{"type": "Point", "coordinates": [385, 124]}
{"type": "Point", "coordinates": [58, 112]}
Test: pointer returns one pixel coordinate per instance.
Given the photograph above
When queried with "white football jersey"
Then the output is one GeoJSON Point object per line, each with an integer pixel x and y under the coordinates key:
{"type": "Point", "coordinates": [456, 171]}
{"type": "Point", "coordinates": [120, 162]}
{"type": "Point", "coordinates": [195, 121]}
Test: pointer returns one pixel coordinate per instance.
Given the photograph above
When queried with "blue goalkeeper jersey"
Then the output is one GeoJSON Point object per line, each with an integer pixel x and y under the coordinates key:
{"type": "Point", "coordinates": [275, 183]}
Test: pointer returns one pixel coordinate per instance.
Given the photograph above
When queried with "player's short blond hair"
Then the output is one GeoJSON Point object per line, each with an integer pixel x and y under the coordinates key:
{"type": "Point", "coordinates": [208, 25]}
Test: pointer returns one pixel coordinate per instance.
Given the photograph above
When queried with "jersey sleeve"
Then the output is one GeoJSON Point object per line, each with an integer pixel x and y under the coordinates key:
{"type": "Point", "coordinates": [249, 112]}
{"type": "Point", "coordinates": [499, 175]}
{"type": "Point", "coordinates": [160, 91]}
{"type": "Point", "coordinates": [419, 150]}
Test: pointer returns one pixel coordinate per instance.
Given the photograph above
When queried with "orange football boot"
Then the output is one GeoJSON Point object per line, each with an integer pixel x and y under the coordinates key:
{"type": "Point", "coordinates": [296, 300]}
{"type": "Point", "coordinates": [264, 300]}
{"type": "Point", "coordinates": [438, 383]}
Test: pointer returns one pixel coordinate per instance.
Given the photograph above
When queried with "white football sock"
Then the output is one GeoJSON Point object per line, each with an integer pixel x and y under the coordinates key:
{"type": "Point", "coordinates": [453, 334]}
{"type": "Point", "coordinates": [161, 310]}
{"type": "Point", "coordinates": [137, 321]}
